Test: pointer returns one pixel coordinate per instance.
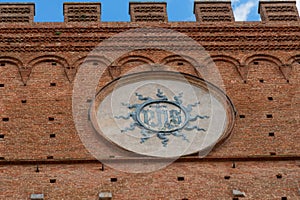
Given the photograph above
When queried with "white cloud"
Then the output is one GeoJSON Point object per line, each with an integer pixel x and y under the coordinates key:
{"type": "Point", "coordinates": [242, 11]}
{"type": "Point", "coordinates": [298, 5]}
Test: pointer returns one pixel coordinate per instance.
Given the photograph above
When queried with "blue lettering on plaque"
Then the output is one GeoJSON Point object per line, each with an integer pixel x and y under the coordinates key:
{"type": "Point", "coordinates": [161, 117]}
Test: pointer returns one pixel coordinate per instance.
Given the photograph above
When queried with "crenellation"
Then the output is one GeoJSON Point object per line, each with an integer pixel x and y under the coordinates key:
{"type": "Point", "coordinates": [17, 12]}
{"type": "Point", "coordinates": [82, 12]}
{"type": "Point", "coordinates": [204, 10]}
{"type": "Point", "coordinates": [213, 11]}
{"type": "Point", "coordinates": [278, 11]}
{"type": "Point", "coordinates": [148, 11]}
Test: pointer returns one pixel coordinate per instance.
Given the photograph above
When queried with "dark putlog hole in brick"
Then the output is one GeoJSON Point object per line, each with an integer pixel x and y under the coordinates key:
{"type": "Point", "coordinates": [5, 119]}
{"type": "Point", "coordinates": [52, 180]}
{"type": "Point", "coordinates": [233, 165]}
{"type": "Point", "coordinates": [279, 176]}
{"type": "Point", "coordinates": [37, 170]}
{"type": "Point", "coordinates": [269, 116]}
{"type": "Point", "coordinates": [113, 179]}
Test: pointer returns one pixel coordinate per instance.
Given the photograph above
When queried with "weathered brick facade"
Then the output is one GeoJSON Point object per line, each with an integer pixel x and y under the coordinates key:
{"type": "Point", "coordinates": [259, 62]}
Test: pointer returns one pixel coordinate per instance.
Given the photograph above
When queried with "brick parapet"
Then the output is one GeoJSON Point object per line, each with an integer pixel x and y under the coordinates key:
{"type": "Point", "coordinates": [277, 10]}
{"type": "Point", "coordinates": [12, 13]}
{"type": "Point", "coordinates": [213, 11]}
{"type": "Point", "coordinates": [148, 12]}
{"type": "Point", "coordinates": [82, 12]}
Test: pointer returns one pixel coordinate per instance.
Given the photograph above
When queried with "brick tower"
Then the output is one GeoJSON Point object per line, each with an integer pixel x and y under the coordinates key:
{"type": "Point", "coordinates": [252, 69]}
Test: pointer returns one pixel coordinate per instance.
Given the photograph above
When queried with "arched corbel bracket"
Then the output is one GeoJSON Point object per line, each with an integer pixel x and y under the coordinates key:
{"type": "Point", "coordinates": [286, 70]}
{"type": "Point", "coordinates": [70, 73]}
{"type": "Point", "coordinates": [243, 70]}
{"type": "Point", "coordinates": [25, 72]}
{"type": "Point", "coordinates": [114, 71]}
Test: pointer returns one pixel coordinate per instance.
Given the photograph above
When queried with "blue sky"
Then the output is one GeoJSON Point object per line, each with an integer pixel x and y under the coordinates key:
{"type": "Point", "coordinates": [117, 10]}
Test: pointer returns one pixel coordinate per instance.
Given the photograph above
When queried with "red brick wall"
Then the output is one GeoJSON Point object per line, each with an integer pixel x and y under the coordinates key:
{"type": "Point", "coordinates": [245, 54]}
{"type": "Point", "coordinates": [202, 180]}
